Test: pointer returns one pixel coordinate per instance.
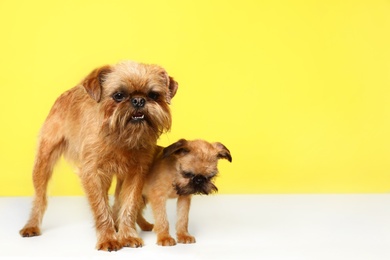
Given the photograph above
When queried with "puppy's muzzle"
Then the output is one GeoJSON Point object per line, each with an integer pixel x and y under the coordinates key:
{"type": "Point", "coordinates": [199, 180]}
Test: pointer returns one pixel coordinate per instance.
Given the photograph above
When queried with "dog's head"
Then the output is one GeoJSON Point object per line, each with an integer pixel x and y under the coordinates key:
{"type": "Point", "coordinates": [196, 165]}
{"type": "Point", "coordinates": [133, 100]}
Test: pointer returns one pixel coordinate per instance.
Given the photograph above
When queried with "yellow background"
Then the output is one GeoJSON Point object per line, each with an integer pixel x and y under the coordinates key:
{"type": "Point", "coordinates": [299, 91]}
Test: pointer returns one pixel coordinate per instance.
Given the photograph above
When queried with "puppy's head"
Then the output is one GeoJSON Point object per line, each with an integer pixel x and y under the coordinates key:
{"type": "Point", "coordinates": [196, 165]}
{"type": "Point", "coordinates": [133, 101]}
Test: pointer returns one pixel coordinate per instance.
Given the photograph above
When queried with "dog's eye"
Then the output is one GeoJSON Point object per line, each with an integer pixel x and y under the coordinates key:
{"type": "Point", "coordinates": [118, 96]}
{"type": "Point", "coordinates": [211, 175]}
{"type": "Point", "coordinates": [153, 95]}
{"type": "Point", "coordinates": [188, 175]}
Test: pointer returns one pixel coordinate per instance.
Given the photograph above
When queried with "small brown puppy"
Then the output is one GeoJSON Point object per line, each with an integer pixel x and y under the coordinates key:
{"type": "Point", "coordinates": [183, 169]}
{"type": "Point", "coordinates": [107, 125]}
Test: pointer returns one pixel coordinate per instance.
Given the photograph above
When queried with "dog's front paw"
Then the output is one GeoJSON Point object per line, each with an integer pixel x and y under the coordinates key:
{"type": "Point", "coordinates": [185, 239]}
{"type": "Point", "coordinates": [30, 232]}
{"type": "Point", "coordinates": [132, 242]}
{"type": "Point", "coordinates": [111, 245]}
{"type": "Point", "coordinates": [166, 241]}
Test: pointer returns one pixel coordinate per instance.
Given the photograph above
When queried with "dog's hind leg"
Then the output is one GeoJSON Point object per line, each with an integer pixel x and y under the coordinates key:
{"type": "Point", "coordinates": [50, 147]}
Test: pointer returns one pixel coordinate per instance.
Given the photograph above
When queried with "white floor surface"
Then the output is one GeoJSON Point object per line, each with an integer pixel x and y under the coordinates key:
{"type": "Point", "coordinates": [239, 227]}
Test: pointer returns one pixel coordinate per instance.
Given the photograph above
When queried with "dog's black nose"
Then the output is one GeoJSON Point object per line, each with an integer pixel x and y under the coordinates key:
{"type": "Point", "coordinates": [138, 102]}
{"type": "Point", "coordinates": [199, 179]}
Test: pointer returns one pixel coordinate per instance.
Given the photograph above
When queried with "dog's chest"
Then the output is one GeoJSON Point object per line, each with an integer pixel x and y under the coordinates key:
{"type": "Point", "coordinates": [122, 163]}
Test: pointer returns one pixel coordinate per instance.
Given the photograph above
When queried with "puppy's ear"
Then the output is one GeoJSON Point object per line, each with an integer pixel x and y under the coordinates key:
{"type": "Point", "coordinates": [93, 82]}
{"type": "Point", "coordinates": [172, 86]}
{"type": "Point", "coordinates": [178, 148]}
{"type": "Point", "coordinates": [223, 152]}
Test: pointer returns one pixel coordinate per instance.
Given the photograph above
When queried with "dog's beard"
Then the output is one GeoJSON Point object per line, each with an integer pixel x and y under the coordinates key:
{"type": "Point", "coordinates": [194, 189]}
{"type": "Point", "coordinates": [137, 128]}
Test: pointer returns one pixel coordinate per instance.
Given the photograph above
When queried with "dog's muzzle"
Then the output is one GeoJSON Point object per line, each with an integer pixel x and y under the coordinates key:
{"type": "Point", "coordinates": [138, 116]}
{"type": "Point", "coordinates": [199, 180]}
{"type": "Point", "coordinates": [138, 102]}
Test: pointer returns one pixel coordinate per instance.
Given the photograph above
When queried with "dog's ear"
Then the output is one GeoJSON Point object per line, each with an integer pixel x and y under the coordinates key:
{"type": "Point", "coordinates": [223, 152]}
{"type": "Point", "coordinates": [93, 82]}
{"type": "Point", "coordinates": [171, 84]}
{"type": "Point", "coordinates": [178, 148]}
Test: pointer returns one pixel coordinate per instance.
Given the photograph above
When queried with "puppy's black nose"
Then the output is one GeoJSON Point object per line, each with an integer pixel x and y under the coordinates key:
{"type": "Point", "coordinates": [138, 102]}
{"type": "Point", "coordinates": [199, 179]}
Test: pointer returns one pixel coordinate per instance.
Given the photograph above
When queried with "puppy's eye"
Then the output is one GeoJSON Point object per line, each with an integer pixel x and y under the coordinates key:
{"type": "Point", "coordinates": [211, 175]}
{"type": "Point", "coordinates": [153, 95]}
{"type": "Point", "coordinates": [118, 96]}
{"type": "Point", "coordinates": [188, 175]}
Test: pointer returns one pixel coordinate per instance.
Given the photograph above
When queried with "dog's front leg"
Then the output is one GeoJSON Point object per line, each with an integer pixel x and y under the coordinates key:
{"type": "Point", "coordinates": [130, 202]}
{"type": "Point", "coordinates": [161, 225]}
{"type": "Point", "coordinates": [96, 189]}
{"type": "Point", "coordinates": [183, 208]}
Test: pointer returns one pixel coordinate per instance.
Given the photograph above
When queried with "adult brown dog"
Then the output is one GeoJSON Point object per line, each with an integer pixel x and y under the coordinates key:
{"type": "Point", "coordinates": [182, 169]}
{"type": "Point", "coordinates": [107, 125]}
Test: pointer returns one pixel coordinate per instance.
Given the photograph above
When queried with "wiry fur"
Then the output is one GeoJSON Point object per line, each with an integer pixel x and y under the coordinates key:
{"type": "Point", "coordinates": [102, 138]}
{"type": "Point", "coordinates": [170, 177]}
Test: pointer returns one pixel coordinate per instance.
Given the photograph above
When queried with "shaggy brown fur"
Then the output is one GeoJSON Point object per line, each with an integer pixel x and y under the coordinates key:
{"type": "Point", "coordinates": [107, 125]}
{"type": "Point", "coordinates": [183, 169]}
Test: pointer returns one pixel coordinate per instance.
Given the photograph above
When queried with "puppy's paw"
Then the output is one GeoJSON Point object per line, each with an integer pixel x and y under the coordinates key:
{"type": "Point", "coordinates": [166, 241]}
{"type": "Point", "coordinates": [111, 245]}
{"type": "Point", "coordinates": [30, 232]}
{"type": "Point", "coordinates": [185, 239]}
{"type": "Point", "coordinates": [132, 242]}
